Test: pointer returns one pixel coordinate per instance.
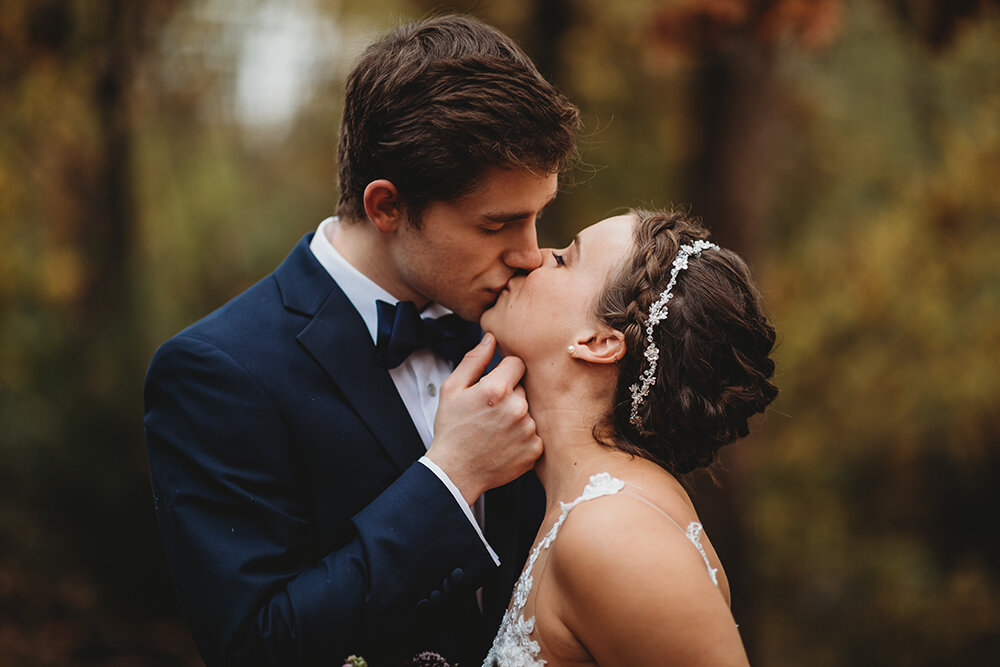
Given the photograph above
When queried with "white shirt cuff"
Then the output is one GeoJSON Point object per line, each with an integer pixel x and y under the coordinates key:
{"type": "Point", "coordinates": [461, 503]}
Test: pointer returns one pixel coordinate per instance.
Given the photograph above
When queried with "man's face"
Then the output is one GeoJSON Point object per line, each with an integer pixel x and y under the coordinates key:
{"type": "Point", "coordinates": [568, 283]}
{"type": "Point", "coordinates": [465, 251]}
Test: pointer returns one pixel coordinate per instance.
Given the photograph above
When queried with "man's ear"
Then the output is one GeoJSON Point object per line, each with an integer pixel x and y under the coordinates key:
{"type": "Point", "coordinates": [604, 346]}
{"type": "Point", "coordinates": [382, 205]}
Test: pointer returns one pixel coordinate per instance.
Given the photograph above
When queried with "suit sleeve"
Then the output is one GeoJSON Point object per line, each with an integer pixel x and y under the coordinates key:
{"type": "Point", "coordinates": [238, 533]}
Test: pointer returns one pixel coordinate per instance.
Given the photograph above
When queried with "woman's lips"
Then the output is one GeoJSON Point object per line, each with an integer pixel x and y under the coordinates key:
{"type": "Point", "coordinates": [497, 291]}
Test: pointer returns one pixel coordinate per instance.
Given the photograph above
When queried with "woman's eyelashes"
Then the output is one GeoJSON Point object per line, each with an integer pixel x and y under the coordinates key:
{"type": "Point", "coordinates": [559, 259]}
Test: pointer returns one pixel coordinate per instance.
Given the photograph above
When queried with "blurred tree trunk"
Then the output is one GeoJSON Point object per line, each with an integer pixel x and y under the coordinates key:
{"type": "Point", "coordinates": [110, 232]}
{"type": "Point", "coordinates": [735, 95]}
{"type": "Point", "coordinates": [108, 339]}
{"type": "Point", "coordinates": [549, 21]}
{"type": "Point", "coordinates": [87, 56]}
{"type": "Point", "coordinates": [728, 188]}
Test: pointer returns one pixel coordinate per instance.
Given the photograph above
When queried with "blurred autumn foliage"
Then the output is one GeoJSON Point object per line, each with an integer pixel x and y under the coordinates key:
{"type": "Point", "coordinates": [849, 148]}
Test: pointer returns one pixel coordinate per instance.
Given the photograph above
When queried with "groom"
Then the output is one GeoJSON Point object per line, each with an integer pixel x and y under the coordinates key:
{"type": "Point", "coordinates": [322, 489]}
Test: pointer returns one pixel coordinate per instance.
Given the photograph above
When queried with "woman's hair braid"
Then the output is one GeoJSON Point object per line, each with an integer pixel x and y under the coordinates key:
{"type": "Point", "coordinates": [714, 369]}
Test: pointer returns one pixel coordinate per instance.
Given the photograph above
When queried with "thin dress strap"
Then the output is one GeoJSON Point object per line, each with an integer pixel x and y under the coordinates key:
{"type": "Point", "coordinates": [513, 646]}
{"type": "Point", "coordinates": [693, 531]}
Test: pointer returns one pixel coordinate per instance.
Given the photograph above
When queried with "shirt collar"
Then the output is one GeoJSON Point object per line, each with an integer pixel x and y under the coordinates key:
{"type": "Point", "coordinates": [359, 289]}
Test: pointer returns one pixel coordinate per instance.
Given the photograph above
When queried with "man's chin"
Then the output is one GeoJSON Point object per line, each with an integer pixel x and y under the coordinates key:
{"type": "Point", "coordinates": [473, 312]}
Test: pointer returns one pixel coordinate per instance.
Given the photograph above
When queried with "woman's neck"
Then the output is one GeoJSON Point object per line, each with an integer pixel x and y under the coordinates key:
{"type": "Point", "coordinates": [565, 414]}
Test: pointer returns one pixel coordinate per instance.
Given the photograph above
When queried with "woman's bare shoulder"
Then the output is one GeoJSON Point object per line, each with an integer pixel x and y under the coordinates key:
{"type": "Point", "coordinates": [635, 586]}
{"type": "Point", "coordinates": [623, 538]}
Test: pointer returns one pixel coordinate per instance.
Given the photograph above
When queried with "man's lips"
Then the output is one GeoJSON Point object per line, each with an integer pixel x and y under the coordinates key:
{"type": "Point", "coordinates": [496, 293]}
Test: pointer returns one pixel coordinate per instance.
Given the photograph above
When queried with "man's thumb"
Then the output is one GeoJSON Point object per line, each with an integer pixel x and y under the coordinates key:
{"type": "Point", "coordinates": [475, 361]}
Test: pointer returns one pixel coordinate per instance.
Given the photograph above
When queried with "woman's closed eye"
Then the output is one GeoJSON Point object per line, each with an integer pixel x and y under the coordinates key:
{"type": "Point", "coordinates": [559, 259]}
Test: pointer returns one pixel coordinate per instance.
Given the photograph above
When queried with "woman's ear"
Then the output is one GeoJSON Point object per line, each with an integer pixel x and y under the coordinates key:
{"type": "Point", "coordinates": [382, 205]}
{"type": "Point", "coordinates": [605, 346]}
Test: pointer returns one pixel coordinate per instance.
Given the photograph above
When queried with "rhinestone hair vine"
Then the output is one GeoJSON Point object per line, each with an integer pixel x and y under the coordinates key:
{"type": "Point", "coordinates": [658, 313]}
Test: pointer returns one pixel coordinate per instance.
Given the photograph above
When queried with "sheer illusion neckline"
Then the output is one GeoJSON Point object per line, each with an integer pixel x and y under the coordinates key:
{"type": "Point", "coordinates": [513, 645]}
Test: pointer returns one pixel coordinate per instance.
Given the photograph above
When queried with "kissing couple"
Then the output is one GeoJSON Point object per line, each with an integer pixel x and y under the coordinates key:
{"type": "Point", "coordinates": [423, 433]}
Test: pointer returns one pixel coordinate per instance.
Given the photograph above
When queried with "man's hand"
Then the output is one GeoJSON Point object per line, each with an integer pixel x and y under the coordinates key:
{"type": "Point", "coordinates": [483, 434]}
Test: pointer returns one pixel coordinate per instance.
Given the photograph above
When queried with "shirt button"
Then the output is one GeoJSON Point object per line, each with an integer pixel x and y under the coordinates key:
{"type": "Point", "coordinates": [432, 390]}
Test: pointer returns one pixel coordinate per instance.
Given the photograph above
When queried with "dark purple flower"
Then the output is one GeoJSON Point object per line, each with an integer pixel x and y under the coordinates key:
{"type": "Point", "coordinates": [429, 659]}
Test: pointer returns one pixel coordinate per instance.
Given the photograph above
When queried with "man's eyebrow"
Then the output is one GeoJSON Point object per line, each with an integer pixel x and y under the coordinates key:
{"type": "Point", "coordinates": [516, 215]}
{"type": "Point", "coordinates": [506, 217]}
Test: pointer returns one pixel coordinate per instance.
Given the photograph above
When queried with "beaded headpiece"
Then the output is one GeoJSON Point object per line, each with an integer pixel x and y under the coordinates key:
{"type": "Point", "coordinates": [658, 313]}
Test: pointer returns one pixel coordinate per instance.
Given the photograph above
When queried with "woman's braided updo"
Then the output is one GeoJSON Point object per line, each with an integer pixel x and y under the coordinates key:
{"type": "Point", "coordinates": [714, 368]}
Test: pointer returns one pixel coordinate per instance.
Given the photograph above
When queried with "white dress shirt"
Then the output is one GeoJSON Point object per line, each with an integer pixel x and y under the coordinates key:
{"type": "Point", "coordinates": [418, 379]}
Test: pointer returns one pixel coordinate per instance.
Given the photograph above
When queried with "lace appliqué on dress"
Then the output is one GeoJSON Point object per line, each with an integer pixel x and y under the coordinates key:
{"type": "Point", "coordinates": [693, 533]}
{"type": "Point", "coordinates": [513, 646]}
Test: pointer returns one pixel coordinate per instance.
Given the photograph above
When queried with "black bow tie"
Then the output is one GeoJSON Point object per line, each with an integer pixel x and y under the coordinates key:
{"type": "Point", "coordinates": [401, 331]}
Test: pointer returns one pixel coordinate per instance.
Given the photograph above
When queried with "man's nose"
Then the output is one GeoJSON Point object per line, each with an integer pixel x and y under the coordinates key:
{"type": "Point", "coordinates": [524, 255]}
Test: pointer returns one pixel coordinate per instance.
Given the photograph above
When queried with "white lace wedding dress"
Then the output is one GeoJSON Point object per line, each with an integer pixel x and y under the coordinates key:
{"type": "Point", "coordinates": [513, 646]}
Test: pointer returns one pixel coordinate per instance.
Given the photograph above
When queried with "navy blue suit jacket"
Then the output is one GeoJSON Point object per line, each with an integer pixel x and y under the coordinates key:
{"type": "Point", "coordinates": [297, 524]}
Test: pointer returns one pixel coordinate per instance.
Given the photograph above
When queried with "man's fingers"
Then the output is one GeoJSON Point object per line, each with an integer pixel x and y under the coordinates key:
{"type": "Point", "coordinates": [535, 447]}
{"type": "Point", "coordinates": [507, 374]}
{"type": "Point", "coordinates": [521, 403]}
{"type": "Point", "coordinates": [471, 368]}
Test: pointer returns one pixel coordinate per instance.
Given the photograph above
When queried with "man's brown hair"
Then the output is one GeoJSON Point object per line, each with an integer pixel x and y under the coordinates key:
{"type": "Point", "coordinates": [435, 104]}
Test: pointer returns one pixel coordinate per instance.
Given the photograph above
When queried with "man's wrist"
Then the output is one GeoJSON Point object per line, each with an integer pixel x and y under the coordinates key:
{"type": "Point", "coordinates": [466, 485]}
{"type": "Point", "coordinates": [460, 499]}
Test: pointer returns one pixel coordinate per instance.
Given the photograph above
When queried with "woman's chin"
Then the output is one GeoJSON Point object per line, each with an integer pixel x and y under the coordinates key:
{"type": "Point", "coordinates": [494, 322]}
{"type": "Point", "coordinates": [488, 321]}
{"type": "Point", "coordinates": [488, 328]}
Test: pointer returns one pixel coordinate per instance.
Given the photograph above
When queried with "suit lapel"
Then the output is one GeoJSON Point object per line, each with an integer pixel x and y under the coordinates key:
{"type": "Point", "coordinates": [336, 337]}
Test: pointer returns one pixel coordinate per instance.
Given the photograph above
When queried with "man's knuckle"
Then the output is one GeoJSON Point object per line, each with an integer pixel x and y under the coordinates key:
{"type": "Point", "coordinates": [535, 447]}
{"type": "Point", "coordinates": [493, 392]}
{"type": "Point", "coordinates": [512, 412]}
{"type": "Point", "coordinates": [515, 363]}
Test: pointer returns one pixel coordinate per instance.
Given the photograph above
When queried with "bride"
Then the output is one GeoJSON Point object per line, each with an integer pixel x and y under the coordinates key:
{"type": "Point", "coordinates": [646, 351]}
